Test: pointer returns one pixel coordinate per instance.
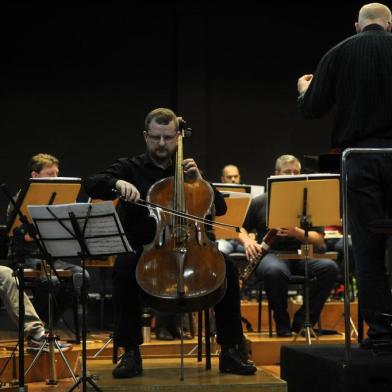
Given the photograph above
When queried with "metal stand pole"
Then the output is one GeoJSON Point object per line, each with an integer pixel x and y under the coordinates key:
{"type": "Point", "coordinates": [307, 326]}
{"type": "Point", "coordinates": [84, 254]}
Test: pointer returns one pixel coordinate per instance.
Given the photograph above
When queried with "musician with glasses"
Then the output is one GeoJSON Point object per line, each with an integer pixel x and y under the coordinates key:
{"type": "Point", "coordinates": [133, 177]}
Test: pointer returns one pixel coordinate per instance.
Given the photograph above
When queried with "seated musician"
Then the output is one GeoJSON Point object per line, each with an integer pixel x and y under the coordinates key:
{"type": "Point", "coordinates": [133, 177]}
{"type": "Point", "coordinates": [230, 175]}
{"type": "Point", "coordinates": [40, 166]}
{"type": "Point", "coordinates": [34, 328]}
{"type": "Point", "coordinates": [275, 272]}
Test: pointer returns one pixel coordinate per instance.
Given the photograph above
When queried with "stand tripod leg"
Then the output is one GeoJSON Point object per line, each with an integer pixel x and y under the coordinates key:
{"type": "Point", "coordinates": [103, 347]}
{"type": "Point", "coordinates": [52, 378]}
{"type": "Point", "coordinates": [35, 358]}
{"type": "Point", "coordinates": [65, 360]}
{"type": "Point", "coordinates": [85, 381]}
{"type": "Point", "coordinates": [354, 329]}
{"type": "Point", "coordinates": [308, 332]}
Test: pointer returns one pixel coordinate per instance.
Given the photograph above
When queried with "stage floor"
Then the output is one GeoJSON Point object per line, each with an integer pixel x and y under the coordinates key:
{"type": "Point", "coordinates": [161, 359]}
{"type": "Point", "coordinates": [164, 374]}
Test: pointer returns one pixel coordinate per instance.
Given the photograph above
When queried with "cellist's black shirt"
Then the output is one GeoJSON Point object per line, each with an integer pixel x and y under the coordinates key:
{"type": "Point", "coordinates": [142, 173]}
{"type": "Point", "coordinates": [356, 77]}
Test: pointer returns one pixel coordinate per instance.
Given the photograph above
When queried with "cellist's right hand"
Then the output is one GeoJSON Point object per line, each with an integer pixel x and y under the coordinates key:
{"type": "Point", "coordinates": [128, 191]}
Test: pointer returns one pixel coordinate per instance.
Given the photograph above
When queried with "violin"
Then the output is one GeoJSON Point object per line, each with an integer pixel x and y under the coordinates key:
{"type": "Point", "coordinates": [181, 270]}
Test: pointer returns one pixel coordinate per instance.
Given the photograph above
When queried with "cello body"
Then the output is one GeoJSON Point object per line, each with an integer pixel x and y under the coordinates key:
{"type": "Point", "coordinates": [181, 270]}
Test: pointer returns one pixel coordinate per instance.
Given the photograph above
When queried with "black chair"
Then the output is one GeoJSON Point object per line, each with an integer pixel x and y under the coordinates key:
{"type": "Point", "coordinates": [207, 337]}
{"type": "Point", "coordinates": [32, 281]}
{"type": "Point", "coordinates": [260, 311]}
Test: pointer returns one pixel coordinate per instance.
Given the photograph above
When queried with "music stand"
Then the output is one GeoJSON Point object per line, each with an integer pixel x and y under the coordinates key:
{"type": "Point", "coordinates": [237, 206]}
{"type": "Point", "coordinates": [42, 191]}
{"type": "Point", "coordinates": [308, 192]}
{"type": "Point", "coordinates": [51, 190]}
{"type": "Point", "coordinates": [84, 230]}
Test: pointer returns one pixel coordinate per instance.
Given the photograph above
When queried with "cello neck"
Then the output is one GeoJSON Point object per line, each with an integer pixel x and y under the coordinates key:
{"type": "Point", "coordinates": [179, 193]}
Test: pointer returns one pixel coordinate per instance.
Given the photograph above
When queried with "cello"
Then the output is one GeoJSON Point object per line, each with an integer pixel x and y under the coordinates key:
{"type": "Point", "coordinates": [181, 270]}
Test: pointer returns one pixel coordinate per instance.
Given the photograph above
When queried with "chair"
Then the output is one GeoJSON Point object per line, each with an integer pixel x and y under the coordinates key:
{"type": "Point", "coordinates": [260, 312]}
{"type": "Point", "coordinates": [300, 279]}
{"type": "Point", "coordinates": [297, 280]}
{"type": "Point", "coordinates": [207, 333]}
{"type": "Point", "coordinates": [32, 279]}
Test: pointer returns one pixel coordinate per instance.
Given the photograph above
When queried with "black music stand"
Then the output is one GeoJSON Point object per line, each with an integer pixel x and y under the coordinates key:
{"type": "Point", "coordinates": [314, 201]}
{"type": "Point", "coordinates": [85, 230]}
{"type": "Point", "coordinates": [41, 191]}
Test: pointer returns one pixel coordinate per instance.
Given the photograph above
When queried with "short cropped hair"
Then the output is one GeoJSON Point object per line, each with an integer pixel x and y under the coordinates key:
{"type": "Point", "coordinates": [161, 116]}
{"type": "Point", "coordinates": [39, 161]}
{"type": "Point", "coordinates": [283, 159]}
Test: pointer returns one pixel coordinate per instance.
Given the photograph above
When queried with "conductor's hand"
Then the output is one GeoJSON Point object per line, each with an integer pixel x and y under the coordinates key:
{"type": "Point", "coordinates": [252, 250]}
{"type": "Point", "coordinates": [190, 169]}
{"type": "Point", "coordinates": [303, 83]}
{"type": "Point", "coordinates": [128, 191]}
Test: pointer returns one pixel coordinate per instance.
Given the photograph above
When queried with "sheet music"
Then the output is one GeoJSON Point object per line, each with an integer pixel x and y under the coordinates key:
{"type": "Point", "coordinates": [256, 190]}
{"type": "Point", "coordinates": [103, 232]}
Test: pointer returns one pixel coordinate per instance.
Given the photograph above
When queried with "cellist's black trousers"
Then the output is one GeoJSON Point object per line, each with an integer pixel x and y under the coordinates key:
{"type": "Point", "coordinates": [127, 305]}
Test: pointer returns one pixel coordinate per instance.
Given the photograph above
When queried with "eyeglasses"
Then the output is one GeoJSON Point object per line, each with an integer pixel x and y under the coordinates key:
{"type": "Point", "coordinates": [157, 138]}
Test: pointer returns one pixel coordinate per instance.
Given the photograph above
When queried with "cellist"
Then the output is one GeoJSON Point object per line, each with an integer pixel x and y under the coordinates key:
{"type": "Point", "coordinates": [133, 177]}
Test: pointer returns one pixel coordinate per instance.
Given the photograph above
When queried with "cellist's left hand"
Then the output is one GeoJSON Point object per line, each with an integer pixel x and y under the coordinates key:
{"type": "Point", "coordinates": [190, 169]}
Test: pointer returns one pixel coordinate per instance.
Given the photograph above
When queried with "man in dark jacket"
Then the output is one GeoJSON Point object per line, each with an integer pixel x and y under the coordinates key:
{"type": "Point", "coordinates": [132, 178]}
{"type": "Point", "coordinates": [355, 77]}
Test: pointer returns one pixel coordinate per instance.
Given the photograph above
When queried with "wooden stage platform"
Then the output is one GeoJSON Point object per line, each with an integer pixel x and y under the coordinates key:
{"type": "Point", "coordinates": [164, 375]}
{"type": "Point", "coordinates": [161, 360]}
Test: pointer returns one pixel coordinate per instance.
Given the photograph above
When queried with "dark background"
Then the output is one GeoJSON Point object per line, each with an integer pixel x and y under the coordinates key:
{"type": "Point", "coordinates": [77, 81]}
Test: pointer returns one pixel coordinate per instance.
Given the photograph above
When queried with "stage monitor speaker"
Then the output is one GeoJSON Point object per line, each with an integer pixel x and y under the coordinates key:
{"type": "Point", "coordinates": [321, 368]}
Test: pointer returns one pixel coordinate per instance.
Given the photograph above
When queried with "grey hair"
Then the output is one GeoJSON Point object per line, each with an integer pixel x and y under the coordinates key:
{"type": "Point", "coordinates": [286, 159]}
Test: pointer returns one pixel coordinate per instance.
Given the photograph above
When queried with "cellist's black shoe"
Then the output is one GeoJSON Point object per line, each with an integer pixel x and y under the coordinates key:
{"type": "Point", "coordinates": [244, 350]}
{"type": "Point", "coordinates": [231, 360]}
{"type": "Point", "coordinates": [130, 364]}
